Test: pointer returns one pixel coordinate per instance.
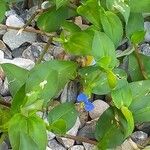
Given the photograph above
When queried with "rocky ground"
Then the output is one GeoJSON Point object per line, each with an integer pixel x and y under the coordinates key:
{"type": "Point", "coordinates": [24, 49]}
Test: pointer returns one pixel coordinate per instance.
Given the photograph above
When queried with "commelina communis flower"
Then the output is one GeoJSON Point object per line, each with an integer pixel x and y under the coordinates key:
{"type": "Point", "coordinates": [84, 99]}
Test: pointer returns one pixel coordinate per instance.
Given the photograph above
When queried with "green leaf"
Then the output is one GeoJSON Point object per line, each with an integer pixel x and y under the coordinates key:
{"type": "Point", "coordinates": [112, 26]}
{"type": "Point", "coordinates": [91, 10]}
{"type": "Point", "coordinates": [16, 77]}
{"type": "Point", "coordinates": [4, 119]}
{"type": "Point", "coordinates": [2, 10]}
{"type": "Point", "coordinates": [140, 105]}
{"type": "Point", "coordinates": [26, 102]}
{"type": "Point", "coordinates": [66, 112]}
{"type": "Point", "coordinates": [27, 133]}
{"type": "Point", "coordinates": [18, 100]}
{"type": "Point", "coordinates": [51, 20]}
{"type": "Point", "coordinates": [135, 23]}
{"type": "Point", "coordinates": [110, 129]}
{"type": "Point", "coordinates": [80, 43]}
{"type": "Point", "coordinates": [71, 27]}
{"type": "Point", "coordinates": [102, 48]}
{"type": "Point", "coordinates": [50, 77]}
{"type": "Point", "coordinates": [60, 3]}
{"type": "Point", "coordinates": [101, 85]}
{"type": "Point", "coordinates": [138, 37]}
{"type": "Point", "coordinates": [121, 6]}
{"type": "Point", "coordinates": [129, 117]}
{"type": "Point", "coordinates": [140, 6]}
{"type": "Point", "coordinates": [134, 69]}
{"type": "Point", "coordinates": [112, 79]}
{"type": "Point", "coordinates": [58, 127]}
{"type": "Point", "coordinates": [122, 95]}
{"type": "Point", "coordinates": [140, 89]}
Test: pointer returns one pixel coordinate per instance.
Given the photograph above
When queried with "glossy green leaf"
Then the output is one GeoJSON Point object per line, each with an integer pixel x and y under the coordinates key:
{"type": "Point", "coordinates": [58, 127]}
{"type": "Point", "coordinates": [138, 37]}
{"type": "Point", "coordinates": [102, 48]}
{"type": "Point", "coordinates": [140, 6]}
{"type": "Point", "coordinates": [80, 43]}
{"type": "Point", "coordinates": [101, 85]}
{"type": "Point", "coordinates": [50, 77]}
{"type": "Point", "coordinates": [4, 119]}
{"type": "Point", "coordinates": [130, 120]}
{"type": "Point", "coordinates": [27, 132]}
{"type": "Point", "coordinates": [121, 6]}
{"type": "Point", "coordinates": [18, 100]}
{"type": "Point", "coordinates": [70, 27]}
{"type": "Point", "coordinates": [60, 3]}
{"type": "Point", "coordinates": [112, 79]}
{"type": "Point", "coordinates": [135, 23]}
{"type": "Point", "coordinates": [112, 26]}
{"type": "Point", "coordinates": [66, 112]}
{"type": "Point", "coordinates": [134, 69]}
{"type": "Point", "coordinates": [91, 11]}
{"type": "Point", "coordinates": [16, 77]}
{"type": "Point", "coordinates": [140, 105]}
{"type": "Point", "coordinates": [2, 10]}
{"type": "Point", "coordinates": [122, 95]}
{"type": "Point", "coordinates": [51, 20]}
{"type": "Point", "coordinates": [110, 129]}
{"type": "Point", "coordinates": [140, 88]}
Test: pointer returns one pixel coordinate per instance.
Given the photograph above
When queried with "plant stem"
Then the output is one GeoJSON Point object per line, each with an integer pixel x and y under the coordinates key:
{"type": "Point", "coordinates": [81, 139]}
{"type": "Point", "coordinates": [140, 62]}
{"type": "Point", "coordinates": [45, 50]}
{"type": "Point", "coordinates": [26, 29]}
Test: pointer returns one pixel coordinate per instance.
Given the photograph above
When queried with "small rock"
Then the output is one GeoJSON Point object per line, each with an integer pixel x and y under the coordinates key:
{"type": "Point", "coordinates": [69, 93]}
{"type": "Point", "coordinates": [3, 146]}
{"type": "Point", "coordinates": [76, 147]}
{"type": "Point", "coordinates": [139, 137]}
{"type": "Point", "coordinates": [145, 49]}
{"type": "Point", "coordinates": [145, 127]}
{"type": "Point", "coordinates": [17, 52]}
{"type": "Point", "coordinates": [83, 114]}
{"type": "Point", "coordinates": [4, 90]}
{"type": "Point", "coordinates": [99, 107]}
{"type": "Point", "coordinates": [2, 32]}
{"type": "Point", "coordinates": [88, 130]}
{"type": "Point", "coordinates": [47, 148]}
{"type": "Point", "coordinates": [7, 53]}
{"type": "Point", "coordinates": [1, 55]}
{"type": "Point", "coordinates": [54, 145]}
{"type": "Point", "coordinates": [45, 5]}
{"type": "Point", "coordinates": [57, 51]}
{"type": "Point", "coordinates": [10, 12]}
{"type": "Point", "coordinates": [14, 41]}
{"type": "Point", "coordinates": [128, 145]}
{"type": "Point", "coordinates": [34, 51]}
{"type": "Point", "coordinates": [147, 29]}
{"type": "Point", "coordinates": [50, 135]}
{"type": "Point", "coordinates": [21, 62]}
{"type": "Point", "coordinates": [88, 146]}
{"type": "Point", "coordinates": [73, 131]}
{"type": "Point", "coordinates": [15, 21]}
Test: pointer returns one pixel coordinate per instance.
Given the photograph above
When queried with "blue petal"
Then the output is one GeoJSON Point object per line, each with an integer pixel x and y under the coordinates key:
{"type": "Point", "coordinates": [89, 106]}
{"type": "Point", "coordinates": [82, 98]}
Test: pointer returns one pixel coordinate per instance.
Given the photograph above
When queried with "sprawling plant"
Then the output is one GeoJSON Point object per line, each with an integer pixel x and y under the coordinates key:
{"type": "Point", "coordinates": [105, 24]}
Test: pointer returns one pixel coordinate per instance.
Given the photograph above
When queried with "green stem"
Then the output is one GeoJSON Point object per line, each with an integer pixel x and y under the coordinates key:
{"type": "Point", "coordinates": [45, 50]}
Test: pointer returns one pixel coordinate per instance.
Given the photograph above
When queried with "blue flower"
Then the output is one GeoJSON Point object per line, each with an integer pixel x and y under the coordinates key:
{"type": "Point", "coordinates": [87, 104]}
